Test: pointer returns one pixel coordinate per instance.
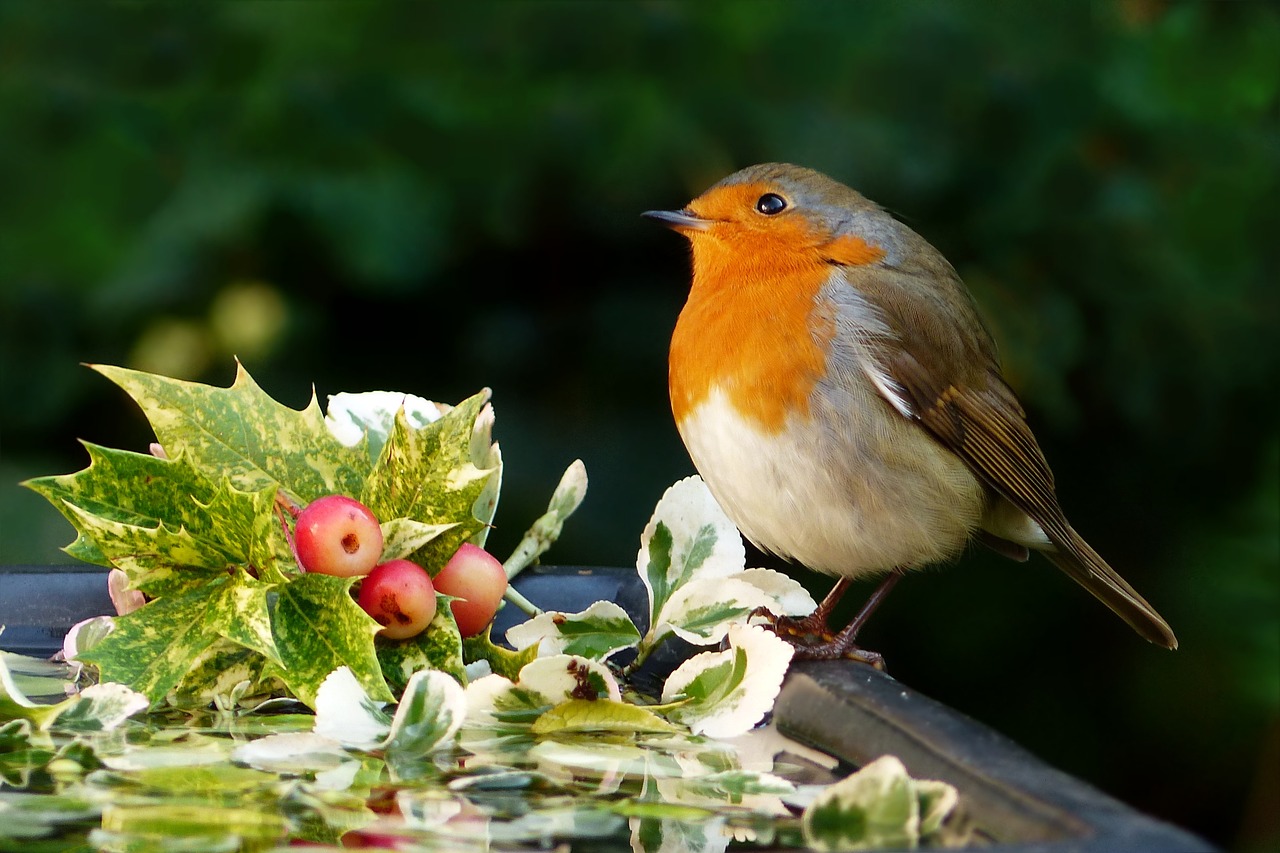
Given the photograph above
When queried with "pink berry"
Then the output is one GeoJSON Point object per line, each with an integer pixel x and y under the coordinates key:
{"type": "Point", "coordinates": [337, 535]}
{"type": "Point", "coordinates": [478, 580]}
{"type": "Point", "coordinates": [400, 597]}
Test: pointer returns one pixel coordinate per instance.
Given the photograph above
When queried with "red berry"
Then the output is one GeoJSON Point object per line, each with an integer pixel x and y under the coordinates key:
{"type": "Point", "coordinates": [400, 597]}
{"type": "Point", "coordinates": [479, 581]}
{"type": "Point", "coordinates": [337, 535]}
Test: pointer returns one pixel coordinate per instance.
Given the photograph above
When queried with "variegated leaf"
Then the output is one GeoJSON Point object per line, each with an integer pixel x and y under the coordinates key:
{"type": "Point", "coordinates": [428, 475]}
{"type": "Point", "coordinates": [701, 611]}
{"type": "Point", "coordinates": [318, 627]}
{"type": "Point", "coordinates": [875, 808]}
{"type": "Point", "coordinates": [128, 488]}
{"type": "Point", "coordinates": [727, 693]}
{"type": "Point", "coordinates": [428, 716]}
{"type": "Point", "coordinates": [245, 434]}
{"type": "Point", "coordinates": [688, 536]}
{"type": "Point", "coordinates": [438, 647]}
{"type": "Point", "coordinates": [401, 537]}
{"type": "Point", "coordinates": [154, 647]}
{"type": "Point", "coordinates": [600, 715]}
{"type": "Point", "coordinates": [597, 632]}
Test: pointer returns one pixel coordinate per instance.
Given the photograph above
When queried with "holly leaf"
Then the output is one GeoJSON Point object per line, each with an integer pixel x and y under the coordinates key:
{"type": "Point", "coordinates": [204, 530]}
{"type": "Point", "coordinates": [161, 560]}
{"type": "Point", "coordinates": [428, 475]}
{"type": "Point", "coordinates": [245, 435]}
{"type": "Point", "coordinates": [318, 627]}
{"type": "Point", "coordinates": [402, 537]}
{"type": "Point", "coordinates": [129, 488]}
{"type": "Point", "coordinates": [154, 647]}
{"type": "Point", "coordinates": [245, 524]}
{"type": "Point", "coordinates": [249, 624]}
{"type": "Point", "coordinates": [438, 647]}
{"type": "Point", "coordinates": [502, 661]}
{"type": "Point", "coordinates": [221, 674]}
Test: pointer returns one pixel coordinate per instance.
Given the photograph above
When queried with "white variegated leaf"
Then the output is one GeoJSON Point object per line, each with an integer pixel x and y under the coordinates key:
{"type": "Point", "coordinates": [727, 693]}
{"type": "Point", "coordinates": [292, 753]}
{"type": "Point", "coordinates": [563, 677]}
{"type": "Point", "coordinates": [597, 632]}
{"type": "Point", "coordinates": [101, 708]}
{"type": "Point", "coordinates": [688, 537]}
{"type": "Point", "coordinates": [347, 714]}
{"type": "Point", "coordinates": [700, 612]}
{"type": "Point", "coordinates": [352, 416]}
{"type": "Point", "coordinates": [429, 714]}
{"type": "Point", "coordinates": [877, 807]}
{"type": "Point", "coordinates": [788, 595]}
{"type": "Point", "coordinates": [544, 683]}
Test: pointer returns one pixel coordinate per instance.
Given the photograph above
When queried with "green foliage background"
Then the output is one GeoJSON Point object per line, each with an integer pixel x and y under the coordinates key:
{"type": "Point", "coordinates": [436, 197]}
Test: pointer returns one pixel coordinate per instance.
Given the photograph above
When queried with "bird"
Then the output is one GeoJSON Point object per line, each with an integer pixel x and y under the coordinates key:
{"type": "Point", "coordinates": [838, 392]}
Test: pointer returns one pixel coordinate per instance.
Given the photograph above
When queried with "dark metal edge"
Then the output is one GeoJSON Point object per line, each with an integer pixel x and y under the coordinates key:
{"type": "Point", "coordinates": [858, 714]}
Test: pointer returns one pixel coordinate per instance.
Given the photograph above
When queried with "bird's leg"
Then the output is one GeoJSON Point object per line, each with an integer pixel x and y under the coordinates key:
{"type": "Point", "coordinates": [842, 645]}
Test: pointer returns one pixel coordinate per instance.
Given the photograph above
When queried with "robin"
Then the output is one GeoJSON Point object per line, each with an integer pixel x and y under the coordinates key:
{"type": "Point", "coordinates": [842, 399]}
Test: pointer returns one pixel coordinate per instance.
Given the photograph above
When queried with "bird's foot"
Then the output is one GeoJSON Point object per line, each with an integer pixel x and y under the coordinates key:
{"type": "Point", "coordinates": [795, 628]}
{"type": "Point", "coordinates": [812, 638]}
{"type": "Point", "coordinates": [835, 648]}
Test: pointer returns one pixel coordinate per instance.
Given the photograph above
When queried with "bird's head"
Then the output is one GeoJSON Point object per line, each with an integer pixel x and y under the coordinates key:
{"type": "Point", "coordinates": [778, 214]}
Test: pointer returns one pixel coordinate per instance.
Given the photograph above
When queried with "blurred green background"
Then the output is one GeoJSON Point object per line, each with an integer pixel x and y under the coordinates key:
{"type": "Point", "coordinates": [434, 198]}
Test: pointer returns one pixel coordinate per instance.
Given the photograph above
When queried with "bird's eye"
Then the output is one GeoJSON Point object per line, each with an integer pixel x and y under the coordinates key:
{"type": "Point", "coordinates": [770, 204]}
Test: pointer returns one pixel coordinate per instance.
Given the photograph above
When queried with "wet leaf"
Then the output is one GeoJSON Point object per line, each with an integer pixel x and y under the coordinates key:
{"type": "Point", "coordinates": [347, 714]}
{"type": "Point", "coordinates": [501, 660]}
{"type": "Point", "coordinates": [878, 806]}
{"type": "Point", "coordinates": [600, 715]}
{"type": "Point", "coordinates": [427, 717]}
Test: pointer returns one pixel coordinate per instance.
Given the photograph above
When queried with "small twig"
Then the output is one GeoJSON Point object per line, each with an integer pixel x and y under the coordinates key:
{"type": "Point", "coordinates": [543, 532]}
{"type": "Point", "coordinates": [521, 602]}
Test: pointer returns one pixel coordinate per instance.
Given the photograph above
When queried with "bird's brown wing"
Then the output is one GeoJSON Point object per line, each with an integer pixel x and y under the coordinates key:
{"type": "Point", "coordinates": [951, 381]}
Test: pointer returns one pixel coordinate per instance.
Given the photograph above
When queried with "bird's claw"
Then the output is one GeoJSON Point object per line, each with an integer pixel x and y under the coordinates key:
{"type": "Point", "coordinates": [813, 640]}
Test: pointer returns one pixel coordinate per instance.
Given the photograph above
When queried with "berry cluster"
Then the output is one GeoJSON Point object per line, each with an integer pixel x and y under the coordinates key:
{"type": "Point", "coordinates": [336, 535]}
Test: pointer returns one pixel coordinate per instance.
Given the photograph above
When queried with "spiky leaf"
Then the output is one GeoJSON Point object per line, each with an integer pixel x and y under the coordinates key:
{"type": "Point", "coordinates": [428, 475]}
{"type": "Point", "coordinates": [244, 433]}
{"type": "Point", "coordinates": [318, 628]}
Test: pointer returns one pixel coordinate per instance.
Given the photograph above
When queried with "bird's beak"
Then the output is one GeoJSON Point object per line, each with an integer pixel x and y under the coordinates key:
{"type": "Point", "coordinates": [683, 221]}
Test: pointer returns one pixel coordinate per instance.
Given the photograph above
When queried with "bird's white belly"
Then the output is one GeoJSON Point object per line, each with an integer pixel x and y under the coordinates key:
{"type": "Point", "coordinates": [848, 490]}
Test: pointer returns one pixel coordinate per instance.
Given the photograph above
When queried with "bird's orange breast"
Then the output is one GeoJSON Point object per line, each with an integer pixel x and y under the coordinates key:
{"type": "Point", "coordinates": [753, 328]}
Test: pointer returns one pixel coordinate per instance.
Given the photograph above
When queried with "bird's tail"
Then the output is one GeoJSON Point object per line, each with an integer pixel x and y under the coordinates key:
{"type": "Point", "coordinates": [1083, 565]}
